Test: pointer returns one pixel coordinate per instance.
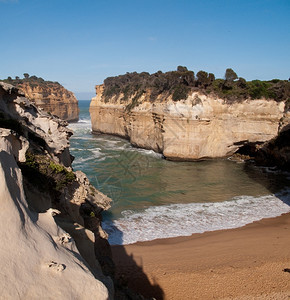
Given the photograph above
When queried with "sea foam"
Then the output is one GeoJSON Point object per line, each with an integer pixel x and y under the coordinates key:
{"type": "Point", "coordinates": [185, 219]}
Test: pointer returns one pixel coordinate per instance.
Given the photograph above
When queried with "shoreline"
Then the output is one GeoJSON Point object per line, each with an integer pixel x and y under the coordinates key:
{"type": "Point", "coordinates": [235, 157]}
{"type": "Point", "coordinates": [241, 263]}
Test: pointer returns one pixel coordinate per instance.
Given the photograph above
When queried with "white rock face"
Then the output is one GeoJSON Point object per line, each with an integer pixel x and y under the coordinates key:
{"type": "Point", "coordinates": [12, 144]}
{"type": "Point", "coordinates": [201, 126]}
{"type": "Point", "coordinates": [38, 259]}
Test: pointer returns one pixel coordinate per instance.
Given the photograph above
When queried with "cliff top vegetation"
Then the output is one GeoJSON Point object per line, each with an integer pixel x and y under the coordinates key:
{"type": "Point", "coordinates": [181, 82]}
{"type": "Point", "coordinates": [31, 80]}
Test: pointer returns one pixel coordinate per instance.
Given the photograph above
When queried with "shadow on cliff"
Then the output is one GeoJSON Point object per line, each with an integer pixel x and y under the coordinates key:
{"type": "Point", "coordinates": [131, 281]}
{"type": "Point", "coordinates": [274, 180]}
{"type": "Point", "coordinates": [272, 165]}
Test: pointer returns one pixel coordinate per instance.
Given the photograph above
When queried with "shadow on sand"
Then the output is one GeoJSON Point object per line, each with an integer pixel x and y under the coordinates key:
{"type": "Point", "coordinates": [131, 281]}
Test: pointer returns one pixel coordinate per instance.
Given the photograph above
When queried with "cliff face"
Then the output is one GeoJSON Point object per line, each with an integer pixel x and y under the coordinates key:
{"type": "Point", "coordinates": [52, 97]}
{"type": "Point", "coordinates": [41, 197]}
{"type": "Point", "coordinates": [201, 126]}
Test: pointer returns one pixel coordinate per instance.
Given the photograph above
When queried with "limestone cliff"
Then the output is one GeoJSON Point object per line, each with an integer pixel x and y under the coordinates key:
{"type": "Point", "coordinates": [49, 96]}
{"type": "Point", "coordinates": [52, 243]}
{"type": "Point", "coordinates": [199, 126]}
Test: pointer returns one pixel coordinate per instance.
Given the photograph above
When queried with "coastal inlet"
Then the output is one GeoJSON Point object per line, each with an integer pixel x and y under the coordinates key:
{"type": "Point", "coordinates": [155, 198]}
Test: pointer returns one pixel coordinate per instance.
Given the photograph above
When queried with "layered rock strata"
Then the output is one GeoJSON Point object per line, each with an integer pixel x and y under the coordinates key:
{"type": "Point", "coordinates": [52, 97]}
{"type": "Point", "coordinates": [201, 126]}
{"type": "Point", "coordinates": [52, 243]}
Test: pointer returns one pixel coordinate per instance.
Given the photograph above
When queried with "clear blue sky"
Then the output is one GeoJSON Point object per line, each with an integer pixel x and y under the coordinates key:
{"type": "Point", "coordinates": [81, 42]}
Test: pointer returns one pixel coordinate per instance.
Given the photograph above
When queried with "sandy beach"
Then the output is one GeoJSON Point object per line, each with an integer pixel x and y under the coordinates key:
{"type": "Point", "coordinates": [251, 262]}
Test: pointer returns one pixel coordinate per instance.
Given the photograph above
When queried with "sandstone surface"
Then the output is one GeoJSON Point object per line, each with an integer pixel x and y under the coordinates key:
{"type": "Point", "coordinates": [51, 97]}
{"type": "Point", "coordinates": [201, 126]}
{"type": "Point", "coordinates": [52, 243]}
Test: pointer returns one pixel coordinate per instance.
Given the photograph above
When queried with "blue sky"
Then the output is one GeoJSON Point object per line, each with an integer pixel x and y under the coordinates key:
{"type": "Point", "coordinates": [80, 43]}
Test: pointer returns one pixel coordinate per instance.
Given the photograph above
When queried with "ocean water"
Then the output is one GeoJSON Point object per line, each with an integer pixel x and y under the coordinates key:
{"type": "Point", "coordinates": [155, 198]}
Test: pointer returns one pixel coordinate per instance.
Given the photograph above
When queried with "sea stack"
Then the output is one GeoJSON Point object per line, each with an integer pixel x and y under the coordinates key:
{"type": "Point", "coordinates": [186, 117]}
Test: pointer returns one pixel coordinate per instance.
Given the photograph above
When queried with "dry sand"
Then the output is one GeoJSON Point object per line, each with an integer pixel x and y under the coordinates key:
{"type": "Point", "coordinates": [243, 263]}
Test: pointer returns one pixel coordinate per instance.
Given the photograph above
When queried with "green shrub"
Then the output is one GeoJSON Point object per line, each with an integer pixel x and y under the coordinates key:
{"type": "Point", "coordinates": [180, 92]}
{"type": "Point", "coordinates": [31, 160]}
{"type": "Point", "coordinates": [56, 167]}
{"type": "Point", "coordinates": [45, 173]}
{"type": "Point", "coordinates": [258, 89]}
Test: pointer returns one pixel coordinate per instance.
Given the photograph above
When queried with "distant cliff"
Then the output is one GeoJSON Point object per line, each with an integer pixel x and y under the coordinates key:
{"type": "Point", "coordinates": [188, 117]}
{"type": "Point", "coordinates": [52, 242]}
{"type": "Point", "coordinates": [50, 96]}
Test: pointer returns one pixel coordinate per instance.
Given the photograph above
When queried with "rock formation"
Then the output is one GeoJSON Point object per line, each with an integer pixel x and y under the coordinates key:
{"type": "Point", "coordinates": [50, 96]}
{"type": "Point", "coordinates": [197, 127]}
{"type": "Point", "coordinates": [276, 152]}
{"type": "Point", "coordinates": [41, 197]}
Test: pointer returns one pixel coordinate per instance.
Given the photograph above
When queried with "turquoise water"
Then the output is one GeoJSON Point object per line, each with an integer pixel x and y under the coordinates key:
{"type": "Point", "coordinates": [156, 198]}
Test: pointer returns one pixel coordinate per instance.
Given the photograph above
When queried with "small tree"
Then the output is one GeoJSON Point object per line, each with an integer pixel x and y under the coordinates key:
{"type": "Point", "coordinates": [180, 93]}
{"type": "Point", "coordinates": [26, 75]}
{"type": "Point", "coordinates": [34, 78]}
{"type": "Point", "coordinates": [242, 83]}
{"type": "Point", "coordinates": [188, 78]}
{"type": "Point", "coordinates": [202, 78]}
{"type": "Point", "coordinates": [182, 69]}
{"type": "Point", "coordinates": [211, 77]}
{"type": "Point", "coordinates": [230, 75]}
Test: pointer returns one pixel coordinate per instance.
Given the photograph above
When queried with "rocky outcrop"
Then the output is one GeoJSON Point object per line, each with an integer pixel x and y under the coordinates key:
{"type": "Point", "coordinates": [276, 152]}
{"type": "Point", "coordinates": [44, 131]}
{"type": "Point", "coordinates": [53, 245]}
{"type": "Point", "coordinates": [200, 126]}
{"type": "Point", "coordinates": [51, 97]}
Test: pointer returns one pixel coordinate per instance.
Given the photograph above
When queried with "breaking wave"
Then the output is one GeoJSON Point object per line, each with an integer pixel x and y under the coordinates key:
{"type": "Point", "coordinates": [175, 220]}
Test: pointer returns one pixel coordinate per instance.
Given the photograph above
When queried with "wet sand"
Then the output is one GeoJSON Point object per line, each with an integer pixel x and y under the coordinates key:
{"type": "Point", "coordinates": [250, 262]}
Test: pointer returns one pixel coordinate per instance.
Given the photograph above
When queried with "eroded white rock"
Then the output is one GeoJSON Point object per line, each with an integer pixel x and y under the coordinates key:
{"type": "Point", "coordinates": [31, 261]}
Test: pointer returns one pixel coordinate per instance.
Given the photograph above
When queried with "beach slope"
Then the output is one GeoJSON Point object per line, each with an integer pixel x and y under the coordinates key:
{"type": "Point", "coordinates": [252, 262]}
